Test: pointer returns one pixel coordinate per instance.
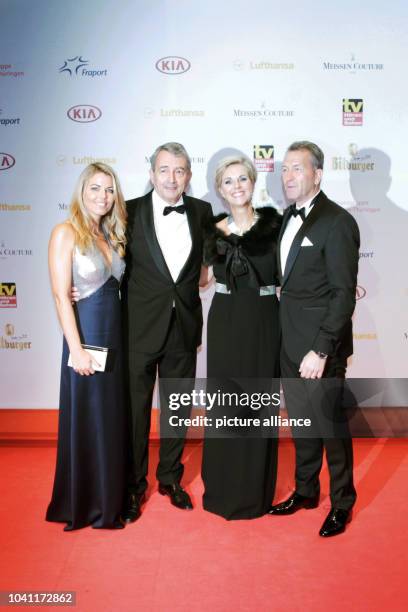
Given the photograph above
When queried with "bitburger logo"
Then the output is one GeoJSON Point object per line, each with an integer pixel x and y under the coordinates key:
{"type": "Point", "coordinates": [172, 64]}
{"type": "Point", "coordinates": [12, 341]}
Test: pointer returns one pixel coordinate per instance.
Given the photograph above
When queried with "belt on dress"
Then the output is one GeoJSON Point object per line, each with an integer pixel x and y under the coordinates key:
{"type": "Point", "coordinates": [266, 290]}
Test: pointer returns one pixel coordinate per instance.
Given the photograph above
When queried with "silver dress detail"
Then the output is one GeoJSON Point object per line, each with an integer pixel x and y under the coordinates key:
{"type": "Point", "coordinates": [90, 270]}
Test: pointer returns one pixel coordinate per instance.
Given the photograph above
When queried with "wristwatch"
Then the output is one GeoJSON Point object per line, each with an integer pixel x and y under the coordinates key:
{"type": "Point", "coordinates": [321, 355]}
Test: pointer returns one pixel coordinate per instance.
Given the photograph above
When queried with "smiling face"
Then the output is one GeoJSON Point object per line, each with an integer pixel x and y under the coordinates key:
{"type": "Point", "coordinates": [170, 176]}
{"type": "Point", "coordinates": [236, 187]}
{"type": "Point", "coordinates": [99, 195]}
{"type": "Point", "coordinates": [300, 178]}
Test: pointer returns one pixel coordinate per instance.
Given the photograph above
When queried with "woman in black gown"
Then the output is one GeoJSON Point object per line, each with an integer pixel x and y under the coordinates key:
{"type": "Point", "coordinates": [239, 469]}
{"type": "Point", "coordinates": [87, 251]}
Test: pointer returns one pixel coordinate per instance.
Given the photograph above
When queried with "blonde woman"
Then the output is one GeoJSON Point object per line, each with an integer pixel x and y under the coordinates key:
{"type": "Point", "coordinates": [239, 465]}
{"type": "Point", "coordinates": [87, 251]}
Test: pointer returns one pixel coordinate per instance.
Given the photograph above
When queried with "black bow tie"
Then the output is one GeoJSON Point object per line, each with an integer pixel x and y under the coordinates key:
{"type": "Point", "coordinates": [294, 212]}
{"type": "Point", "coordinates": [169, 209]}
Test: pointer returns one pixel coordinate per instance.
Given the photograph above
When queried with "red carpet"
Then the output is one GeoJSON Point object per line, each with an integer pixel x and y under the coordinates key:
{"type": "Point", "coordinates": [172, 560]}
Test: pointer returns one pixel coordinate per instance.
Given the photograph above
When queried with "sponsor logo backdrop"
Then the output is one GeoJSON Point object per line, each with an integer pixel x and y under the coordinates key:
{"type": "Point", "coordinates": [84, 83]}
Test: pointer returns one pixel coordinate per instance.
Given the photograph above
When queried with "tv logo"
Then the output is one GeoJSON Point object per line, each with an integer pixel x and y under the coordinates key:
{"type": "Point", "coordinates": [264, 158]}
{"type": "Point", "coordinates": [352, 111]}
{"type": "Point", "coordinates": [8, 295]}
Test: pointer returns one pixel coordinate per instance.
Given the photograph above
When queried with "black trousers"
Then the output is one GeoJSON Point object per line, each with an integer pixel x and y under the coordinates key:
{"type": "Point", "coordinates": [171, 362]}
{"type": "Point", "coordinates": [321, 401]}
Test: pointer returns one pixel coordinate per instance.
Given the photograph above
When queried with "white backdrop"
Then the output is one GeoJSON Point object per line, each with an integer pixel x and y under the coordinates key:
{"type": "Point", "coordinates": [240, 76]}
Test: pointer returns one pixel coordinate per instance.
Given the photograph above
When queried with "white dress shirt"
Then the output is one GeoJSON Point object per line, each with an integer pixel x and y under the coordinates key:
{"type": "Point", "coordinates": [173, 235]}
{"type": "Point", "coordinates": [292, 227]}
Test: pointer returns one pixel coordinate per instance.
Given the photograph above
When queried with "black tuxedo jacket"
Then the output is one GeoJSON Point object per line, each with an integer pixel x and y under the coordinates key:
{"type": "Point", "coordinates": [149, 290]}
{"type": "Point", "coordinates": [318, 287]}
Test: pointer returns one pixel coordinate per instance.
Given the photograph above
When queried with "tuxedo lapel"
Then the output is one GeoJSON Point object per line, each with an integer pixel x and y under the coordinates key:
{"type": "Point", "coordinates": [297, 241]}
{"type": "Point", "coordinates": [285, 220]}
{"type": "Point", "coordinates": [293, 252]}
{"type": "Point", "coordinates": [147, 219]}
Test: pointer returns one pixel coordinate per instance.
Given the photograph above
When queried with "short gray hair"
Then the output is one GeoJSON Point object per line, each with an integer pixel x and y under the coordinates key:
{"type": "Point", "coordinates": [231, 160]}
{"type": "Point", "coordinates": [315, 151]}
{"type": "Point", "coordinates": [175, 148]}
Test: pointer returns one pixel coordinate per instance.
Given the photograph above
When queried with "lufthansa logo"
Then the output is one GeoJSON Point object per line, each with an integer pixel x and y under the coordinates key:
{"type": "Point", "coordinates": [84, 113]}
{"type": "Point", "coordinates": [7, 161]}
{"type": "Point", "coordinates": [360, 292]}
{"type": "Point", "coordinates": [173, 65]}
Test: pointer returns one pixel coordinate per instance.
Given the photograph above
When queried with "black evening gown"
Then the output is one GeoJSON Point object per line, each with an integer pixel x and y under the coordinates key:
{"type": "Point", "coordinates": [89, 478]}
{"type": "Point", "coordinates": [239, 472]}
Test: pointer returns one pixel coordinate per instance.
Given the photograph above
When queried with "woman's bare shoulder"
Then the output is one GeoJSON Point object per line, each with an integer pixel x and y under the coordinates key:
{"type": "Point", "coordinates": [63, 234]}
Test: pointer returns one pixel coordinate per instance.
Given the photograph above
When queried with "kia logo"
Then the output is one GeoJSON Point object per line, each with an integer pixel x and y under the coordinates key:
{"type": "Point", "coordinates": [360, 292]}
{"type": "Point", "coordinates": [173, 65]}
{"type": "Point", "coordinates": [84, 113]}
{"type": "Point", "coordinates": [6, 161]}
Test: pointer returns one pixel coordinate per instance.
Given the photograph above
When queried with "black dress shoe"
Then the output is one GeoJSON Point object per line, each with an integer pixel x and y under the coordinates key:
{"type": "Point", "coordinates": [335, 522]}
{"type": "Point", "coordinates": [294, 503]}
{"type": "Point", "coordinates": [133, 508]}
{"type": "Point", "coordinates": [178, 496]}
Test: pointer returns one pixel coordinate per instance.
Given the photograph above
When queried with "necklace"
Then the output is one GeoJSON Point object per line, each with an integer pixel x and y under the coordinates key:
{"type": "Point", "coordinates": [240, 231]}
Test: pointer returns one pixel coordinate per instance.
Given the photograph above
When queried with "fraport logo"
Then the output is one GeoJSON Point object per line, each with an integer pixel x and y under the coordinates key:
{"type": "Point", "coordinates": [84, 113]}
{"type": "Point", "coordinates": [173, 65]}
{"type": "Point", "coordinates": [7, 161]}
{"type": "Point", "coordinates": [78, 66]}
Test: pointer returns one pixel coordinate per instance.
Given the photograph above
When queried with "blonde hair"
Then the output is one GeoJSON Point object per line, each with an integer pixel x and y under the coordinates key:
{"type": "Point", "coordinates": [113, 223]}
{"type": "Point", "coordinates": [232, 160]}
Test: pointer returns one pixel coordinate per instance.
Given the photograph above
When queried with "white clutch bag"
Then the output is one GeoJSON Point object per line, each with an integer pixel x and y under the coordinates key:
{"type": "Point", "coordinates": [98, 353]}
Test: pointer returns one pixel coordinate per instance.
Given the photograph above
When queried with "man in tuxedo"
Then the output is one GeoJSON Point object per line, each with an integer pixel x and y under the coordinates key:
{"type": "Point", "coordinates": [164, 315]}
{"type": "Point", "coordinates": [318, 251]}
